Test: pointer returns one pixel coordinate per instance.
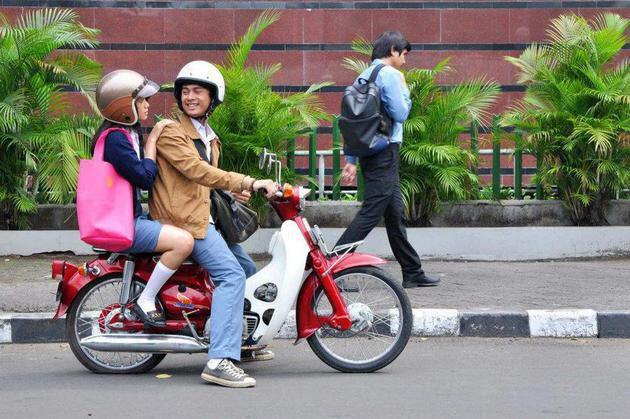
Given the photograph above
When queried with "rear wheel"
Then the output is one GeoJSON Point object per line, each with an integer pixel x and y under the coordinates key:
{"type": "Point", "coordinates": [381, 322]}
{"type": "Point", "coordinates": [95, 311]}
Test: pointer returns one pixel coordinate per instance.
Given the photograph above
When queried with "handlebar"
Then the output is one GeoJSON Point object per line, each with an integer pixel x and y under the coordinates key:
{"type": "Point", "coordinates": [282, 192]}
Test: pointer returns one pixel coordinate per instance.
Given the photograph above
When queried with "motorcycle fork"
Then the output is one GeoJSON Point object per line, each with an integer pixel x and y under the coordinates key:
{"type": "Point", "coordinates": [339, 319]}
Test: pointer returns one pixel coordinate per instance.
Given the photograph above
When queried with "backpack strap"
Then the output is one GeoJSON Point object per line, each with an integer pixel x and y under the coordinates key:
{"type": "Point", "coordinates": [373, 75]}
{"type": "Point", "coordinates": [375, 72]}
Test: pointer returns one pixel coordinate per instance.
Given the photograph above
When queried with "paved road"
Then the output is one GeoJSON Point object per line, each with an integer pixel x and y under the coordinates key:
{"type": "Point", "coordinates": [433, 378]}
{"type": "Point", "coordinates": [25, 284]}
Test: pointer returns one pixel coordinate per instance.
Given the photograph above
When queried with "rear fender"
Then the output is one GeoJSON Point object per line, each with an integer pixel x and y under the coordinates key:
{"type": "Point", "coordinates": [73, 282]}
{"type": "Point", "coordinates": [307, 321]}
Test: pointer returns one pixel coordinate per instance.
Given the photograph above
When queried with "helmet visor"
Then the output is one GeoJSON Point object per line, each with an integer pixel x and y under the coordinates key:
{"type": "Point", "coordinates": [147, 89]}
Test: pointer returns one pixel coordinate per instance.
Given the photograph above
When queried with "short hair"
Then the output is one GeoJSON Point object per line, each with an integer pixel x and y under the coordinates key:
{"type": "Point", "coordinates": [383, 45]}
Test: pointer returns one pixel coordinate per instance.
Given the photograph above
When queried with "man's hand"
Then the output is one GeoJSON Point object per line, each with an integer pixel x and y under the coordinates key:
{"type": "Point", "coordinates": [242, 197]}
{"type": "Point", "coordinates": [349, 172]}
{"type": "Point", "coordinates": [268, 185]}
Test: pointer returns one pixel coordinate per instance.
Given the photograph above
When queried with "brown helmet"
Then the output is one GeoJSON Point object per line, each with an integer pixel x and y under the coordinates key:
{"type": "Point", "coordinates": [117, 92]}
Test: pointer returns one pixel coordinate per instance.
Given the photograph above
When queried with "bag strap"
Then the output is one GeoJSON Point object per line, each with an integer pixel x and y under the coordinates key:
{"type": "Point", "coordinates": [373, 75]}
{"type": "Point", "coordinates": [375, 72]}
{"type": "Point", "coordinates": [99, 149]}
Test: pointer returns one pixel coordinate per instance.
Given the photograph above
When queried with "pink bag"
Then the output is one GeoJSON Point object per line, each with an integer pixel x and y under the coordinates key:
{"type": "Point", "coordinates": [104, 201]}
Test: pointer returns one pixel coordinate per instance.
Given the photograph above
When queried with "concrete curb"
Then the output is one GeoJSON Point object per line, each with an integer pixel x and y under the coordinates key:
{"type": "Point", "coordinates": [448, 243]}
{"type": "Point", "coordinates": [565, 323]}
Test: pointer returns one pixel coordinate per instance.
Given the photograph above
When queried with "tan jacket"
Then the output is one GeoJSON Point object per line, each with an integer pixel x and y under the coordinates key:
{"type": "Point", "coordinates": [181, 192]}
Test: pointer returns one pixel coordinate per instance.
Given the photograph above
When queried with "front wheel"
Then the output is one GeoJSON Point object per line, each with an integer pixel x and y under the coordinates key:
{"type": "Point", "coordinates": [381, 322]}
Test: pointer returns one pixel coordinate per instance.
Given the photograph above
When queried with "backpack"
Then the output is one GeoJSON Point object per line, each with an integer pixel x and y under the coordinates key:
{"type": "Point", "coordinates": [104, 201]}
{"type": "Point", "coordinates": [363, 117]}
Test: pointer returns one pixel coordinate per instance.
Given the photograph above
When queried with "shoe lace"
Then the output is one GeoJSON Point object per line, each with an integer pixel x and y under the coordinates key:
{"type": "Point", "coordinates": [232, 369]}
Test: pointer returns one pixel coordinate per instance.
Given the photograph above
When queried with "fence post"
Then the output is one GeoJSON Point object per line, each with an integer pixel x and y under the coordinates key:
{"type": "Point", "coordinates": [496, 158]}
{"type": "Point", "coordinates": [312, 163]}
{"type": "Point", "coordinates": [336, 160]}
{"type": "Point", "coordinates": [291, 155]}
{"type": "Point", "coordinates": [518, 168]}
{"type": "Point", "coordinates": [539, 189]}
{"type": "Point", "coordinates": [474, 144]}
{"type": "Point", "coordinates": [360, 183]}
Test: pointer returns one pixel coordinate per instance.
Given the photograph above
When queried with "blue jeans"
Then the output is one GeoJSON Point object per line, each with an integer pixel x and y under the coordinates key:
{"type": "Point", "coordinates": [243, 259]}
{"type": "Point", "coordinates": [226, 319]}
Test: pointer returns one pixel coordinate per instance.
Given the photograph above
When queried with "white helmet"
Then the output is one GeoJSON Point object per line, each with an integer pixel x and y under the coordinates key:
{"type": "Point", "coordinates": [117, 92]}
{"type": "Point", "coordinates": [204, 74]}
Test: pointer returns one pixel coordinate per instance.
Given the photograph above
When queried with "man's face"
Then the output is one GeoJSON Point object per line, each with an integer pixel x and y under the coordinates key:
{"type": "Point", "coordinates": [399, 58]}
{"type": "Point", "coordinates": [195, 100]}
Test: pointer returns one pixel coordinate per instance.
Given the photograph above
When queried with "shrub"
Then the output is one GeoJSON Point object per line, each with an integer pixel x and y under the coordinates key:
{"type": "Point", "coordinates": [576, 112]}
{"type": "Point", "coordinates": [33, 139]}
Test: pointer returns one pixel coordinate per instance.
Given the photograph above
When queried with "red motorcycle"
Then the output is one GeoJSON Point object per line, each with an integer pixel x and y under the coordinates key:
{"type": "Point", "coordinates": [355, 317]}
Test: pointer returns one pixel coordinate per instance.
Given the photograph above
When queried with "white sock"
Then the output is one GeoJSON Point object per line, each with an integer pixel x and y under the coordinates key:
{"type": "Point", "coordinates": [213, 363]}
{"type": "Point", "coordinates": [158, 278]}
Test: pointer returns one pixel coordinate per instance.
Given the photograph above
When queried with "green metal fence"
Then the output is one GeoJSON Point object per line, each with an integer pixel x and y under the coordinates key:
{"type": "Point", "coordinates": [316, 159]}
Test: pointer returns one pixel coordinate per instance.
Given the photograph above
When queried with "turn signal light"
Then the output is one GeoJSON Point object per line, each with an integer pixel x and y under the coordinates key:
{"type": "Point", "coordinates": [82, 270]}
{"type": "Point", "coordinates": [288, 191]}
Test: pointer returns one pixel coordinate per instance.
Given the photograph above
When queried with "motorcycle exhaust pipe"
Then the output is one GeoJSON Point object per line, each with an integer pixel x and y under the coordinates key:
{"type": "Point", "coordinates": [156, 344]}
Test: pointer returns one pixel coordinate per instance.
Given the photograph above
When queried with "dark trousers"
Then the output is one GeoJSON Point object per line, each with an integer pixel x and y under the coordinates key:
{"type": "Point", "coordinates": [383, 199]}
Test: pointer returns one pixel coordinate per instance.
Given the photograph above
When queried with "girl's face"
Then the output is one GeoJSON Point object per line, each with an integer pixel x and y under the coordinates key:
{"type": "Point", "coordinates": [142, 106]}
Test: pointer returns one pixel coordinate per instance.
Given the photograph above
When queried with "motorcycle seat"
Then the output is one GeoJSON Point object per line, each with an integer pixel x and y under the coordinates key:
{"type": "Point", "coordinates": [154, 256]}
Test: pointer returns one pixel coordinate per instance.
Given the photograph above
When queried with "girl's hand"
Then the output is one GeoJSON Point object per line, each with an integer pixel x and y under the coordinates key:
{"type": "Point", "coordinates": [158, 127]}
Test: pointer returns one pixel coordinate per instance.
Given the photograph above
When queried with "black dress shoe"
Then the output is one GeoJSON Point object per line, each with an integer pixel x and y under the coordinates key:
{"type": "Point", "coordinates": [150, 319]}
{"type": "Point", "coordinates": [420, 281]}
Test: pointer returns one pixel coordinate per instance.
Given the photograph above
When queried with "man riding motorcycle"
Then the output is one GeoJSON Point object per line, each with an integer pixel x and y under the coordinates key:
{"type": "Point", "coordinates": [187, 159]}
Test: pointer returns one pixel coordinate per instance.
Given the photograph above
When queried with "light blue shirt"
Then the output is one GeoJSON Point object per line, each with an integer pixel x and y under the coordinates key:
{"type": "Point", "coordinates": [394, 97]}
{"type": "Point", "coordinates": [206, 133]}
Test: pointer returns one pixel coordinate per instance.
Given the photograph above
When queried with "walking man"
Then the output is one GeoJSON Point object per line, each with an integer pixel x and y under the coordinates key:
{"type": "Point", "coordinates": [380, 171]}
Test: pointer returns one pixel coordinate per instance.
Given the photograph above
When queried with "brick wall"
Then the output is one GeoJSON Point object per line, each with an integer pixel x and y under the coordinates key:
{"type": "Point", "coordinates": [157, 37]}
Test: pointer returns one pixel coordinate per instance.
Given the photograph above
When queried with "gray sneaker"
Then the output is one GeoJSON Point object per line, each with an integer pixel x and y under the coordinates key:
{"type": "Point", "coordinates": [257, 355]}
{"type": "Point", "coordinates": [228, 375]}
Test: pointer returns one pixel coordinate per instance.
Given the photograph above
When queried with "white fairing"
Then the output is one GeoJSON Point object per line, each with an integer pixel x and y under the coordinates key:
{"type": "Point", "coordinates": [289, 250]}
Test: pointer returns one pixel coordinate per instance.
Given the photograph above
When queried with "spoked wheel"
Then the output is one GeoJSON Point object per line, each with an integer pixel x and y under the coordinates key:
{"type": "Point", "coordinates": [381, 322]}
{"type": "Point", "coordinates": [96, 310]}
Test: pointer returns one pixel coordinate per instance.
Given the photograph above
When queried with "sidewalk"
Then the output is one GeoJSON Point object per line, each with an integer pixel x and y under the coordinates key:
{"type": "Point", "coordinates": [478, 298]}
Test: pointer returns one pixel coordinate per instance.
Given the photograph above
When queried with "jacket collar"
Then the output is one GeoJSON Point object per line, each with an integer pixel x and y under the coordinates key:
{"type": "Point", "coordinates": [188, 127]}
{"type": "Point", "coordinates": [190, 130]}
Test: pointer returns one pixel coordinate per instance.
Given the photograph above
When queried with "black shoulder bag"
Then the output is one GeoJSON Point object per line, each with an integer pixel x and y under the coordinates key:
{"type": "Point", "coordinates": [234, 220]}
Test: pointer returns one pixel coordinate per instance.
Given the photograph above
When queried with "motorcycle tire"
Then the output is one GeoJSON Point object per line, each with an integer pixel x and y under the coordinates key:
{"type": "Point", "coordinates": [371, 327]}
{"type": "Point", "coordinates": [90, 358]}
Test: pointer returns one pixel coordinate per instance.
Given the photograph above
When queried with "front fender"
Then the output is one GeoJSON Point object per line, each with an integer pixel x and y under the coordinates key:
{"type": "Point", "coordinates": [306, 319]}
{"type": "Point", "coordinates": [356, 259]}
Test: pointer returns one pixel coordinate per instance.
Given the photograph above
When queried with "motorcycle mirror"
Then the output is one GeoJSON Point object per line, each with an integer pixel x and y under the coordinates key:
{"type": "Point", "coordinates": [263, 158]}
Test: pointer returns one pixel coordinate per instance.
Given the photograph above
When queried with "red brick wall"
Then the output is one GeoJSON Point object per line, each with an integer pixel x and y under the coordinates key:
{"type": "Point", "coordinates": [157, 41]}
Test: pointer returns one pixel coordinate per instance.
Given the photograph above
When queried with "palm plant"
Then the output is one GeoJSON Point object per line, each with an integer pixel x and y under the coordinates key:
{"type": "Point", "coordinates": [434, 167]}
{"type": "Point", "coordinates": [253, 116]}
{"type": "Point", "coordinates": [33, 74]}
{"type": "Point", "coordinates": [576, 113]}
